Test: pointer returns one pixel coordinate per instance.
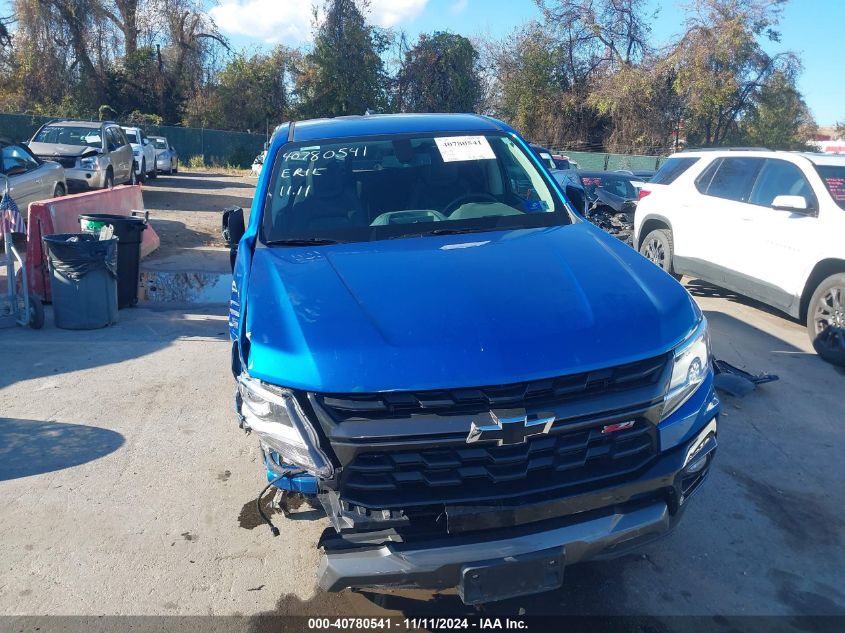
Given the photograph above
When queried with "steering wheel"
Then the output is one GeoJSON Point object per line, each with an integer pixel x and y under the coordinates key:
{"type": "Point", "coordinates": [467, 197]}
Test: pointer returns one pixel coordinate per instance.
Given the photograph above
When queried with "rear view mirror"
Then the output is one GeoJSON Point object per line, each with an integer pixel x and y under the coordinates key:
{"type": "Point", "coordinates": [791, 203]}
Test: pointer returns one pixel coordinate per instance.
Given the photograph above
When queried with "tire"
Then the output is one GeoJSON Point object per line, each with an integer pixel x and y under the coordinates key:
{"type": "Point", "coordinates": [826, 319]}
{"type": "Point", "coordinates": [142, 175]}
{"type": "Point", "coordinates": [657, 247]}
{"type": "Point", "coordinates": [171, 171]}
{"type": "Point", "coordinates": [176, 167]}
{"type": "Point", "coordinates": [154, 173]}
{"type": "Point", "coordinates": [59, 190]}
{"type": "Point", "coordinates": [36, 313]}
{"type": "Point", "coordinates": [109, 182]}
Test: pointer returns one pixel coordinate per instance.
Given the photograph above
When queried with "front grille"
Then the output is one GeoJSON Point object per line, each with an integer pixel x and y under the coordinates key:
{"type": "Point", "coordinates": [566, 461]}
{"type": "Point", "coordinates": [477, 399]}
{"type": "Point", "coordinates": [64, 161]}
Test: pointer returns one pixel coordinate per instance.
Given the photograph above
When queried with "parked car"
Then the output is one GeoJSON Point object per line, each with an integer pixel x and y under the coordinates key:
{"type": "Point", "coordinates": [144, 152]}
{"type": "Point", "coordinates": [545, 156]}
{"type": "Point", "coordinates": [643, 175]}
{"type": "Point", "coordinates": [612, 201]}
{"type": "Point", "coordinates": [94, 154]}
{"type": "Point", "coordinates": [166, 160]}
{"type": "Point", "coordinates": [30, 178]}
{"type": "Point", "coordinates": [570, 180]}
{"type": "Point", "coordinates": [478, 386]}
{"type": "Point", "coordinates": [258, 163]}
{"type": "Point", "coordinates": [564, 162]}
{"type": "Point", "coordinates": [764, 224]}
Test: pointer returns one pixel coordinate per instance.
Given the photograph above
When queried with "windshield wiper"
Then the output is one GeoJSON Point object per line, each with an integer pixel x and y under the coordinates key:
{"type": "Point", "coordinates": [456, 231]}
{"type": "Point", "coordinates": [302, 241]}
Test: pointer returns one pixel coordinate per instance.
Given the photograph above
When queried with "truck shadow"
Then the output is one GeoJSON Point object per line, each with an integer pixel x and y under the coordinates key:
{"type": "Point", "coordinates": [33, 447]}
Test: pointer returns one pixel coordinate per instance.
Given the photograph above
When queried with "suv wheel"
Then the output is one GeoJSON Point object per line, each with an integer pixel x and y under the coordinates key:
{"type": "Point", "coordinates": [826, 319]}
{"type": "Point", "coordinates": [657, 248]}
{"type": "Point", "coordinates": [153, 173]}
{"type": "Point", "coordinates": [109, 182]}
{"type": "Point", "coordinates": [59, 191]}
{"type": "Point", "coordinates": [142, 175]}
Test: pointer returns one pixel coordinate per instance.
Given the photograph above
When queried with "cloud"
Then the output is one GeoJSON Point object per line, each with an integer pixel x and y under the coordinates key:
{"type": "Point", "coordinates": [289, 21]}
{"type": "Point", "coordinates": [459, 6]}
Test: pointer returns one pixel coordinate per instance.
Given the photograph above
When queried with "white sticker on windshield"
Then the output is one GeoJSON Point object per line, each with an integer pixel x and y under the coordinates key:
{"type": "Point", "coordinates": [455, 148]}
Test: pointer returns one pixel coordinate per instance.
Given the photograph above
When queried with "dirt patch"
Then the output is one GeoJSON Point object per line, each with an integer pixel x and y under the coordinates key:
{"type": "Point", "coordinates": [185, 209]}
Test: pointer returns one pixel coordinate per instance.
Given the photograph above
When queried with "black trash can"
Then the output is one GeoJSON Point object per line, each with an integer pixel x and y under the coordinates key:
{"type": "Point", "coordinates": [128, 229]}
{"type": "Point", "coordinates": [83, 279]}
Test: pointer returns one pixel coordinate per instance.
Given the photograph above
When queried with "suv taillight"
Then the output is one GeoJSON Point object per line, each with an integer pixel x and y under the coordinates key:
{"type": "Point", "coordinates": [643, 193]}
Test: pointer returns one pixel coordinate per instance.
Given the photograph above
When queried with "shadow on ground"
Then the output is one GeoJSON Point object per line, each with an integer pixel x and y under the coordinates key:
{"type": "Point", "coordinates": [33, 447]}
{"type": "Point", "coordinates": [32, 354]}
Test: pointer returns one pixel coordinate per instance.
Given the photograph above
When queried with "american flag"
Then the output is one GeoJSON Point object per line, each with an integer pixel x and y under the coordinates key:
{"type": "Point", "coordinates": [11, 219]}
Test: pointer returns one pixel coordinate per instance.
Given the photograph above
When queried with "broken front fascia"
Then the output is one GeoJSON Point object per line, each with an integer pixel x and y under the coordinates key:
{"type": "Point", "coordinates": [274, 415]}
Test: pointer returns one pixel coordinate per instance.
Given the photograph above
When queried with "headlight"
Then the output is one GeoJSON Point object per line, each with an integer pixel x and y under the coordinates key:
{"type": "Point", "coordinates": [689, 369]}
{"type": "Point", "coordinates": [276, 417]}
{"type": "Point", "coordinates": [89, 163]}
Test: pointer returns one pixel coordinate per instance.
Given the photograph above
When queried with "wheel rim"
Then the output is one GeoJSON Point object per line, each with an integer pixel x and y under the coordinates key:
{"type": "Point", "coordinates": [655, 252]}
{"type": "Point", "coordinates": [829, 318]}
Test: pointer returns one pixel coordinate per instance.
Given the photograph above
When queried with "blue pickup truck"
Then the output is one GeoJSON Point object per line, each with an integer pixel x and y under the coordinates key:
{"type": "Point", "coordinates": [476, 384]}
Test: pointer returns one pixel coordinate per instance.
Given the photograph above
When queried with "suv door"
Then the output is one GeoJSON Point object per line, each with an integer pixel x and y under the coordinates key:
{"type": "Point", "coordinates": [121, 156]}
{"type": "Point", "coordinates": [710, 244]}
{"type": "Point", "coordinates": [777, 246]}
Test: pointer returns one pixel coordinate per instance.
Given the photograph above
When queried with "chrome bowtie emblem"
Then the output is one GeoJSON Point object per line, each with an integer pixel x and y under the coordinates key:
{"type": "Point", "coordinates": [510, 426]}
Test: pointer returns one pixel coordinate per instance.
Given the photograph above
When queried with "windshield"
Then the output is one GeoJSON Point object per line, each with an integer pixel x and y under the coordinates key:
{"type": "Point", "coordinates": [132, 135]}
{"type": "Point", "coordinates": [68, 135]}
{"type": "Point", "coordinates": [160, 143]}
{"type": "Point", "coordinates": [833, 177]}
{"type": "Point", "coordinates": [377, 188]}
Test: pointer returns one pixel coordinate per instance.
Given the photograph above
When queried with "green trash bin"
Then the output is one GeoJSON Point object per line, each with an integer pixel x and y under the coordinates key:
{"type": "Point", "coordinates": [83, 279]}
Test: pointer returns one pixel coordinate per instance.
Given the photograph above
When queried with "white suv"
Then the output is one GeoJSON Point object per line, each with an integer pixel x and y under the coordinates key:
{"type": "Point", "coordinates": [144, 153]}
{"type": "Point", "coordinates": [765, 224]}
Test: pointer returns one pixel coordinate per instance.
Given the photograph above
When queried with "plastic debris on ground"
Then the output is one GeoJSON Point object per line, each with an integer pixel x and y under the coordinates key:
{"type": "Point", "coordinates": [737, 382]}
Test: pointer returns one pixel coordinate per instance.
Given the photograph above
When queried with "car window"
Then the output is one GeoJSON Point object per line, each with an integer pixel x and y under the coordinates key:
{"type": "Point", "coordinates": [17, 160]}
{"type": "Point", "coordinates": [780, 178]}
{"type": "Point", "coordinates": [131, 135]}
{"type": "Point", "coordinates": [160, 143]}
{"type": "Point", "coordinates": [69, 135]}
{"type": "Point", "coordinates": [833, 177]}
{"type": "Point", "coordinates": [733, 178]}
{"type": "Point", "coordinates": [612, 183]}
{"type": "Point", "coordinates": [672, 169]}
{"type": "Point", "coordinates": [113, 138]}
{"type": "Point", "coordinates": [377, 188]}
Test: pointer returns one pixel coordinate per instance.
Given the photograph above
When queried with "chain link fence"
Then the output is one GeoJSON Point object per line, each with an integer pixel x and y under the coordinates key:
{"type": "Point", "coordinates": [216, 147]}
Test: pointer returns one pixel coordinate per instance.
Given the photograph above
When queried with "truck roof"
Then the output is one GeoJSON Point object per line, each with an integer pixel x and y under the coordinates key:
{"type": "Point", "coordinates": [375, 124]}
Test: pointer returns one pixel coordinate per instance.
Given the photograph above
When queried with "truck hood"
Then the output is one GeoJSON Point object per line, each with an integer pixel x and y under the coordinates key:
{"type": "Point", "coordinates": [52, 149]}
{"type": "Point", "coordinates": [461, 310]}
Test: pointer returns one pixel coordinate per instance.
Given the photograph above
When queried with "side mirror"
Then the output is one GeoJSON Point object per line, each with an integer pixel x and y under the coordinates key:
{"type": "Point", "coordinates": [233, 230]}
{"type": "Point", "coordinates": [146, 141]}
{"type": "Point", "coordinates": [798, 204]}
{"type": "Point", "coordinates": [576, 197]}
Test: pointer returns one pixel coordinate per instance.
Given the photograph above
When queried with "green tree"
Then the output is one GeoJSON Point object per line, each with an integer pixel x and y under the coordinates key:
{"type": "Point", "coordinates": [439, 74]}
{"type": "Point", "coordinates": [720, 65]}
{"type": "Point", "coordinates": [779, 118]}
{"type": "Point", "coordinates": [344, 72]}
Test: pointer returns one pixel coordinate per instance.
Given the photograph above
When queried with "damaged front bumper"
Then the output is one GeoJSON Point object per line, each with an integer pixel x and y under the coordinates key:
{"type": "Point", "coordinates": [497, 552]}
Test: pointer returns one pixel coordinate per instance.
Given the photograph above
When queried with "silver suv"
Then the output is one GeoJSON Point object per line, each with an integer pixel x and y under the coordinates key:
{"type": "Point", "coordinates": [94, 154]}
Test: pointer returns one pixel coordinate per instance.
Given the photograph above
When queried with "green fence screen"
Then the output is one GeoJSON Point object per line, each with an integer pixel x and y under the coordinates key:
{"type": "Point", "coordinates": [220, 148]}
{"type": "Point", "coordinates": [217, 147]}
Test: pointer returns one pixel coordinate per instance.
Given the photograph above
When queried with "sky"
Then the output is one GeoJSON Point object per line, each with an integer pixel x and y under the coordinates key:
{"type": "Point", "coordinates": [808, 28]}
